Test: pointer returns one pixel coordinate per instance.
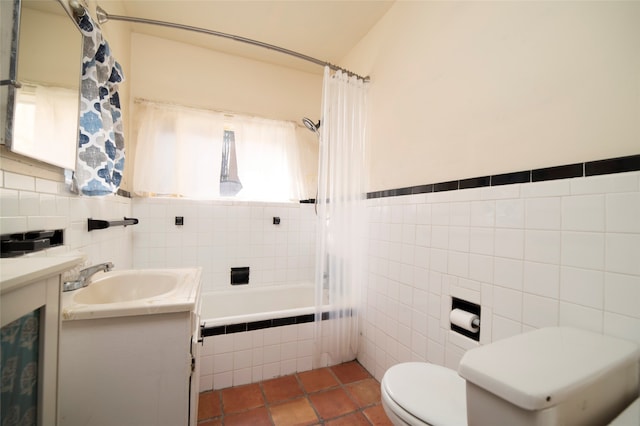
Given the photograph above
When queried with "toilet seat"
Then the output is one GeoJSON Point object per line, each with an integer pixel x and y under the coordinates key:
{"type": "Point", "coordinates": [396, 414]}
{"type": "Point", "coordinates": [423, 393]}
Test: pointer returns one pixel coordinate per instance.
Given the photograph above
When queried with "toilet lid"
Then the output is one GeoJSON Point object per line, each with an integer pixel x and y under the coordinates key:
{"type": "Point", "coordinates": [434, 394]}
{"type": "Point", "coordinates": [548, 366]}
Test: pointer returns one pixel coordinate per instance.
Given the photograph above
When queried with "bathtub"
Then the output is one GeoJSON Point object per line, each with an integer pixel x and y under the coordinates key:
{"type": "Point", "coordinates": [251, 334]}
{"type": "Point", "coordinates": [255, 306]}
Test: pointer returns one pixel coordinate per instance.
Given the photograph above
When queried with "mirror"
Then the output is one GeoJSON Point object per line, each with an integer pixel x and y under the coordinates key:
{"type": "Point", "coordinates": [42, 114]}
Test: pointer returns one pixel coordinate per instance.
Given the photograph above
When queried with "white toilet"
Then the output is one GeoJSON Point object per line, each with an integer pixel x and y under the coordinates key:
{"type": "Point", "coordinates": [417, 393]}
{"type": "Point", "coordinates": [550, 376]}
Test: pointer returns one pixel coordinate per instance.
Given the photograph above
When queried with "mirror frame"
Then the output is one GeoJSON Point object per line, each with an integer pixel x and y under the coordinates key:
{"type": "Point", "coordinates": [10, 66]}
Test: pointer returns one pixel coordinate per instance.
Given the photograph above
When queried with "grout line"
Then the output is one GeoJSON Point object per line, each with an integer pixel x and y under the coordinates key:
{"type": "Point", "coordinates": [306, 396]}
{"type": "Point", "coordinates": [266, 403]}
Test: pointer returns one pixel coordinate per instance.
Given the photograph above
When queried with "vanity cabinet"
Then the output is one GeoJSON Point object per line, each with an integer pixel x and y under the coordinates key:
{"type": "Point", "coordinates": [134, 361]}
{"type": "Point", "coordinates": [127, 370]}
{"type": "Point", "coordinates": [30, 319]}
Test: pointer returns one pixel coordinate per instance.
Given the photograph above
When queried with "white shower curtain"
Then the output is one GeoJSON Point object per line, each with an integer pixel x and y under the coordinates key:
{"type": "Point", "coordinates": [341, 226]}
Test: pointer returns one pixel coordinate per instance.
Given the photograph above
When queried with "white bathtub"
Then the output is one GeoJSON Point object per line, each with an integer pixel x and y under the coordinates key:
{"type": "Point", "coordinates": [240, 305]}
{"type": "Point", "coordinates": [251, 334]}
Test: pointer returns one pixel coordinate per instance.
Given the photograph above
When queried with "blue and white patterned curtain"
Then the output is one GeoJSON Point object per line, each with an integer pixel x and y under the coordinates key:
{"type": "Point", "coordinates": [101, 153]}
{"type": "Point", "coordinates": [19, 358]}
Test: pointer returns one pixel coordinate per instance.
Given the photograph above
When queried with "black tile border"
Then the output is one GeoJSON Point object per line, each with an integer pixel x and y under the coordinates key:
{"type": "Point", "coordinates": [262, 324]}
{"type": "Point", "coordinates": [422, 189]}
{"type": "Point", "coordinates": [474, 182]}
{"type": "Point", "coordinates": [591, 168]}
{"type": "Point", "coordinates": [511, 178]}
{"type": "Point", "coordinates": [445, 186]}
{"type": "Point", "coordinates": [279, 322]}
{"type": "Point", "coordinates": [212, 331]}
{"type": "Point", "coordinates": [612, 165]}
{"type": "Point", "coordinates": [259, 325]}
{"type": "Point", "coordinates": [561, 172]}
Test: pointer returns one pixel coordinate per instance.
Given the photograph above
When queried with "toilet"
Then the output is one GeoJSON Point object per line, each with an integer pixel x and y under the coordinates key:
{"type": "Point", "coordinates": [549, 376]}
{"type": "Point", "coordinates": [419, 393]}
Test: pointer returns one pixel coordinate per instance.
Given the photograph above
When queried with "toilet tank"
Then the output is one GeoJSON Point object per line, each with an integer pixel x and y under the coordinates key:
{"type": "Point", "coordinates": [550, 376]}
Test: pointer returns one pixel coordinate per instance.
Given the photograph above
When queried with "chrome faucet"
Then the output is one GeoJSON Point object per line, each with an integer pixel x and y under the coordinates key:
{"type": "Point", "coordinates": [85, 274]}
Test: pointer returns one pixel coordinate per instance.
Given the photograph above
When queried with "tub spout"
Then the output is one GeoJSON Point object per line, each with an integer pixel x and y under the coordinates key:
{"type": "Point", "coordinates": [85, 274]}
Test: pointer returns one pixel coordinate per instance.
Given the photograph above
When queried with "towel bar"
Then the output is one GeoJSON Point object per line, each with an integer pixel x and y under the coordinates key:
{"type": "Point", "coordinates": [103, 224]}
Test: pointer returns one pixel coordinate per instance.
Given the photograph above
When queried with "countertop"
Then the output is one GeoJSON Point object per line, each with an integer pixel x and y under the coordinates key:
{"type": "Point", "coordinates": [16, 272]}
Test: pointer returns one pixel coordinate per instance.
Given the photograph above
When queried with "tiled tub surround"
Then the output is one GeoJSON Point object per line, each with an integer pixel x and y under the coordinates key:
{"type": "Point", "coordinates": [252, 356]}
{"type": "Point", "coordinates": [28, 203]}
{"type": "Point", "coordinates": [219, 235]}
{"type": "Point", "coordinates": [247, 349]}
{"type": "Point", "coordinates": [559, 252]}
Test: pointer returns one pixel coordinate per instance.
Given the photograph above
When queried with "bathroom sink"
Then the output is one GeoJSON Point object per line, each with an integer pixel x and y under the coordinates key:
{"type": "Point", "coordinates": [124, 286]}
{"type": "Point", "coordinates": [134, 292]}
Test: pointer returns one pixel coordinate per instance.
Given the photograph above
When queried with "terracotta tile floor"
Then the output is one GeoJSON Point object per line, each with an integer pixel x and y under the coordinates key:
{"type": "Point", "coordinates": [344, 394]}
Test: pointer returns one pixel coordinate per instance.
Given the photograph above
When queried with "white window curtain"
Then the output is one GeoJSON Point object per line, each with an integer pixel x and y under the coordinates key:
{"type": "Point", "coordinates": [179, 153]}
{"type": "Point", "coordinates": [341, 222]}
{"type": "Point", "coordinates": [268, 159]}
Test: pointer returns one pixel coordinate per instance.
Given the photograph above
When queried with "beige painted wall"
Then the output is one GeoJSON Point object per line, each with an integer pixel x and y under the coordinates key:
{"type": "Point", "coordinates": [178, 73]}
{"type": "Point", "coordinates": [466, 89]}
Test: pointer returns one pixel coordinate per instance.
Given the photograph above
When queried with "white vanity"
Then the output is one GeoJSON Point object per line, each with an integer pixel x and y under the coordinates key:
{"type": "Point", "coordinates": [129, 349]}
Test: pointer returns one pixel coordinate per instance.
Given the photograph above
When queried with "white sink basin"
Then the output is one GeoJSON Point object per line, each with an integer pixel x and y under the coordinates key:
{"type": "Point", "coordinates": [134, 292]}
{"type": "Point", "coordinates": [124, 286]}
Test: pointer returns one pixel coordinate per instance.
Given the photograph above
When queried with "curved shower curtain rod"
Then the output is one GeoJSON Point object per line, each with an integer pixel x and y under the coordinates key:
{"type": "Point", "coordinates": [103, 17]}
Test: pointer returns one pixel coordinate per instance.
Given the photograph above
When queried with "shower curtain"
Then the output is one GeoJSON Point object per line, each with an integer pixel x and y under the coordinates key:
{"type": "Point", "coordinates": [341, 224]}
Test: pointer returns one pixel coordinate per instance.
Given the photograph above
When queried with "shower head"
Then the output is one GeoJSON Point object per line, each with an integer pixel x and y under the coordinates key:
{"type": "Point", "coordinates": [311, 125]}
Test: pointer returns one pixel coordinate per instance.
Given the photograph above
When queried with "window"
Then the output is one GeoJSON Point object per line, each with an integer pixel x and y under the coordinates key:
{"type": "Point", "coordinates": [230, 183]}
{"type": "Point", "coordinates": [186, 152]}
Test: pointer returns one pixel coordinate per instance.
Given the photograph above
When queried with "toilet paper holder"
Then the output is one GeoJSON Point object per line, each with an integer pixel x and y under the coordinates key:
{"type": "Point", "coordinates": [465, 318]}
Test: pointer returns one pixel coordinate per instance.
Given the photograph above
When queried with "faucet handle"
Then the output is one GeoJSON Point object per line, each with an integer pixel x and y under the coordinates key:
{"type": "Point", "coordinates": [72, 285]}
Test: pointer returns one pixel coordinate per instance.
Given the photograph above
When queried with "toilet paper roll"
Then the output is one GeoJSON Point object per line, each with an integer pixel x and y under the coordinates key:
{"type": "Point", "coordinates": [464, 319]}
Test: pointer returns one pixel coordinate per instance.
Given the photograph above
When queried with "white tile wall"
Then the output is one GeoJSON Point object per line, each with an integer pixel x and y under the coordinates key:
{"type": "Point", "coordinates": [28, 203]}
{"type": "Point", "coordinates": [215, 236]}
{"type": "Point", "coordinates": [533, 255]}
{"type": "Point", "coordinates": [552, 253]}
{"type": "Point", "coordinates": [219, 235]}
{"type": "Point", "coordinates": [622, 212]}
{"type": "Point", "coordinates": [583, 213]}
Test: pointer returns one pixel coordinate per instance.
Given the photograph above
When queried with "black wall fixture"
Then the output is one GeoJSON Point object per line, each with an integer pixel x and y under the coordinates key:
{"type": "Point", "coordinates": [240, 275]}
{"type": "Point", "coordinates": [28, 242]}
{"type": "Point", "coordinates": [104, 224]}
